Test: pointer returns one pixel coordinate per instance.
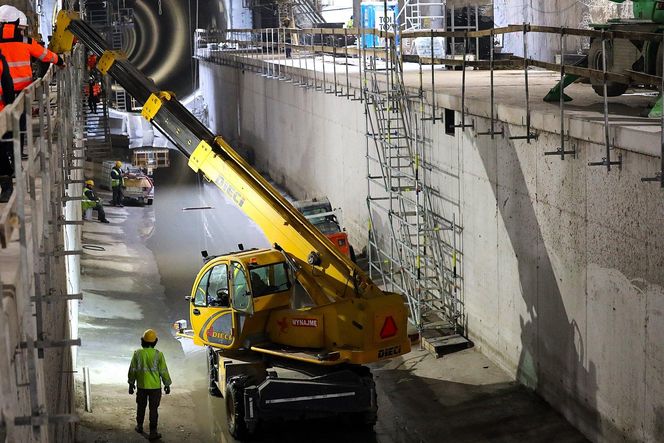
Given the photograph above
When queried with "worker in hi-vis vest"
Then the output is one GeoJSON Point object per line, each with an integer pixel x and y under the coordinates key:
{"type": "Point", "coordinates": [91, 201]}
{"type": "Point", "coordinates": [18, 49]}
{"type": "Point", "coordinates": [117, 182]}
{"type": "Point", "coordinates": [147, 371]}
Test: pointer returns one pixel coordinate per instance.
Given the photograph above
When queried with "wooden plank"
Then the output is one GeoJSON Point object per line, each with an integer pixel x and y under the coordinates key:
{"type": "Point", "coordinates": [439, 345]}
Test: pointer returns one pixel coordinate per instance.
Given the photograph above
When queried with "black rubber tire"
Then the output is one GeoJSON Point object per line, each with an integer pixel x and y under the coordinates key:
{"type": "Point", "coordinates": [366, 420]}
{"type": "Point", "coordinates": [234, 396]}
{"type": "Point", "coordinates": [613, 89]}
{"type": "Point", "coordinates": [213, 389]}
{"type": "Point", "coordinates": [150, 201]}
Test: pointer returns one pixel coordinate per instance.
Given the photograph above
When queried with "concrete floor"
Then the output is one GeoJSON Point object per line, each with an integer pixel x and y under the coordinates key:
{"type": "Point", "coordinates": [150, 256]}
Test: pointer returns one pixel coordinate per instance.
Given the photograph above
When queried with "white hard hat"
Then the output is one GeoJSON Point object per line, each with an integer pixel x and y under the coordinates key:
{"type": "Point", "coordinates": [9, 14]}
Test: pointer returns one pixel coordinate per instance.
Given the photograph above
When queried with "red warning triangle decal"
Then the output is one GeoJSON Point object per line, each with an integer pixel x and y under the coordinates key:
{"type": "Point", "coordinates": [389, 328]}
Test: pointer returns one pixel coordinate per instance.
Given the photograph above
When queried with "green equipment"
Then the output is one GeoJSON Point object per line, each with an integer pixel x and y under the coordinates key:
{"type": "Point", "coordinates": [622, 54]}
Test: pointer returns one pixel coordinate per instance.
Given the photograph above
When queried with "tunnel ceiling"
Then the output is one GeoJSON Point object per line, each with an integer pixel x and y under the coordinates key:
{"type": "Point", "coordinates": [160, 44]}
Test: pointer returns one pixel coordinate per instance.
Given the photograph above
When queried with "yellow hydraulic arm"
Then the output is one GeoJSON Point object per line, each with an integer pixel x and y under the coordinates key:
{"type": "Point", "coordinates": [327, 274]}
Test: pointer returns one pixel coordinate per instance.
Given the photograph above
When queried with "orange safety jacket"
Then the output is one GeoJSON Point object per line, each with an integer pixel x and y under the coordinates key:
{"type": "Point", "coordinates": [6, 85]}
{"type": "Point", "coordinates": [18, 50]}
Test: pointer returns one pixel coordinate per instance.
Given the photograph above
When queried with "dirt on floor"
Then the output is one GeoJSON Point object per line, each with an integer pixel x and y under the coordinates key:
{"type": "Point", "coordinates": [113, 417]}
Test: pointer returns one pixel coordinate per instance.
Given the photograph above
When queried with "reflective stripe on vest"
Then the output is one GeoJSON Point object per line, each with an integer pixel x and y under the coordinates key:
{"type": "Point", "coordinates": [87, 202]}
{"type": "Point", "coordinates": [17, 64]}
{"type": "Point", "coordinates": [154, 367]}
{"type": "Point", "coordinates": [115, 182]}
{"type": "Point", "coordinates": [146, 371]}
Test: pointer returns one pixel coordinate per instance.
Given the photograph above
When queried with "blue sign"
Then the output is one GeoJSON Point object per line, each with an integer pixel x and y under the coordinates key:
{"type": "Point", "coordinates": [373, 17]}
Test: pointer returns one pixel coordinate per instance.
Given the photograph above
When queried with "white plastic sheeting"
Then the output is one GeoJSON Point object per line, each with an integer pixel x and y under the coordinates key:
{"type": "Point", "coordinates": [142, 134]}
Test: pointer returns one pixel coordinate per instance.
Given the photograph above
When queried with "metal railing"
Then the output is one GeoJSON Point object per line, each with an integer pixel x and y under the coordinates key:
{"type": "Point", "coordinates": [37, 227]}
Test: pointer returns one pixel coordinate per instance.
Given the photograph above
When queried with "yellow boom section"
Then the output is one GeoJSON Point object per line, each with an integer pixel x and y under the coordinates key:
{"type": "Point", "coordinates": [337, 277]}
{"type": "Point", "coordinates": [356, 312]}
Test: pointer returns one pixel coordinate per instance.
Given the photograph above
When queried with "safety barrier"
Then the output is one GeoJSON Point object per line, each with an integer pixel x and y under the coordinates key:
{"type": "Point", "coordinates": [289, 54]}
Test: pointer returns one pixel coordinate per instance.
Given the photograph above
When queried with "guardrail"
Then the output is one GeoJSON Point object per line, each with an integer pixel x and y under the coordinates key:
{"type": "Point", "coordinates": [286, 53]}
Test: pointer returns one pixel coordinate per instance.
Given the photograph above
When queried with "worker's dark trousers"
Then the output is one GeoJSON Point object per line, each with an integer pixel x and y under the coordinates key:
{"type": "Point", "coordinates": [6, 169]}
{"type": "Point", "coordinates": [142, 398]}
{"type": "Point", "coordinates": [101, 215]}
{"type": "Point", "coordinates": [117, 195]}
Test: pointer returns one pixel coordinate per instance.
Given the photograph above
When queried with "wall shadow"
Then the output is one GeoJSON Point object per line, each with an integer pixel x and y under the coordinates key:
{"type": "Point", "coordinates": [421, 409]}
{"type": "Point", "coordinates": [553, 355]}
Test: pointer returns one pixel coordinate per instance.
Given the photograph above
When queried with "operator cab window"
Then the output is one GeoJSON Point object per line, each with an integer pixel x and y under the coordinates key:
{"type": "Point", "coordinates": [217, 291]}
{"type": "Point", "coordinates": [269, 279]}
{"type": "Point", "coordinates": [241, 295]}
{"type": "Point", "coordinates": [201, 290]}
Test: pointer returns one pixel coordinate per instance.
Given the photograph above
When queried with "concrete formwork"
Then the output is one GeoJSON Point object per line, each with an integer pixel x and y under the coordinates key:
{"type": "Point", "coordinates": [562, 262]}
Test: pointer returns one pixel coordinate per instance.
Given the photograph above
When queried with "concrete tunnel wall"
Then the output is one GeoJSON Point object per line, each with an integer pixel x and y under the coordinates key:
{"type": "Point", "coordinates": [562, 262]}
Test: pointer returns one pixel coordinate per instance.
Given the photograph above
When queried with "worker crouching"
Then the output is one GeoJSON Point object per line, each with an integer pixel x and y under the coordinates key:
{"type": "Point", "coordinates": [147, 371]}
{"type": "Point", "coordinates": [91, 201]}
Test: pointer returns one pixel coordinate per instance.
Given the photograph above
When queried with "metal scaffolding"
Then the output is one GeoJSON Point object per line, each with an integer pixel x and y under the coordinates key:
{"type": "Point", "coordinates": [415, 233]}
{"type": "Point", "coordinates": [414, 259]}
{"type": "Point", "coordinates": [35, 352]}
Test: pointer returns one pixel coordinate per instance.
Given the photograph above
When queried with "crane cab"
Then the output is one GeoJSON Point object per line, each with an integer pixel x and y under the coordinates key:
{"type": "Point", "coordinates": [233, 295]}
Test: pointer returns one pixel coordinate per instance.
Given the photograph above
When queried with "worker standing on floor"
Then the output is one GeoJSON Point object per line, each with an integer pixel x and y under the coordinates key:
{"type": "Point", "coordinates": [117, 182]}
{"type": "Point", "coordinates": [147, 371]}
{"type": "Point", "coordinates": [91, 201]}
{"type": "Point", "coordinates": [6, 145]}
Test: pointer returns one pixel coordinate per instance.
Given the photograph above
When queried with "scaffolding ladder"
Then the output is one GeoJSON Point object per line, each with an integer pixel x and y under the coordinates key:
{"type": "Point", "coordinates": [415, 258]}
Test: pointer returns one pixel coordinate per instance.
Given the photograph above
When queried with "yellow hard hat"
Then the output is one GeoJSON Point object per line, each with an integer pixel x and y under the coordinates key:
{"type": "Point", "coordinates": [118, 163]}
{"type": "Point", "coordinates": [89, 182]}
{"type": "Point", "coordinates": [150, 336]}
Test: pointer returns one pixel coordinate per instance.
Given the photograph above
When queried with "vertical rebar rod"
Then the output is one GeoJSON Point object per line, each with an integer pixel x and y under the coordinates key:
{"type": "Point", "coordinates": [313, 60]}
{"type": "Point", "coordinates": [492, 96]}
{"type": "Point", "coordinates": [433, 85]}
{"type": "Point", "coordinates": [361, 63]}
{"type": "Point", "coordinates": [266, 55]}
{"type": "Point", "coordinates": [334, 61]}
{"type": "Point", "coordinates": [525, 74]}
{"type": "Point", "coordinates": [305, 73]}
{"type": "Point", "coordinates": [661, 132]}
{"type": "Point", "coordinates": [477, 27]}
{"type": "Point", "coordinates": [277, 55]}
{"type": "Point", "coordinates": [346, 62]}
{"type": "Point", "coordinates": [322, 56]}
{"type": "Point", "coordinates": [292, 53]}
{"type": "Point", "coordinates": [452, 23]}
{"type": "Point", "coordinates": [455, 304]}
{"type": "Point", "coordinates": [528, 136]}
{"type": "Point", "coordinates": [491, 93]}
{"type": "Point", "coordinates": [562, 95]}
{"type": "Point", "coordinates": [299, 58]}
{"type": "Point", "coordinates": [606, 105]}
{"type": "Point", "coordinates": [463, 124]}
